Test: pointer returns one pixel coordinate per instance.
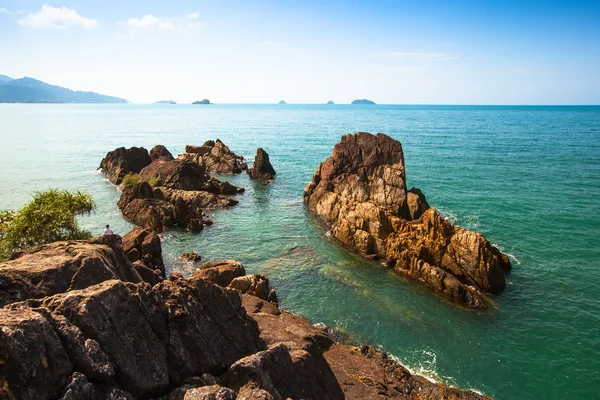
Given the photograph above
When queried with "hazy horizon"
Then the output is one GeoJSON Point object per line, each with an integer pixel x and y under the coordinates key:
{"type": "Point", "coordinates": [260, 52]}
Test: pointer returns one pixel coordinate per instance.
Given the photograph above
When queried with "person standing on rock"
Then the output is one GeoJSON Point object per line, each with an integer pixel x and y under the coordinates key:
{"type": "Point", "coordinates": [108, 231]}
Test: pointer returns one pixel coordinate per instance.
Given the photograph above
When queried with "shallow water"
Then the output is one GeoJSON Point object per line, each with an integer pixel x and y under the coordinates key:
{"type": "Point", "coordinates": [526, 177]}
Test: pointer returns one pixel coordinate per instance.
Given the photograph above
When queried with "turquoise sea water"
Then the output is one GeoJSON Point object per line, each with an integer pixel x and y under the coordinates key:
{"type": "Point", "coordinates": [526, 177]}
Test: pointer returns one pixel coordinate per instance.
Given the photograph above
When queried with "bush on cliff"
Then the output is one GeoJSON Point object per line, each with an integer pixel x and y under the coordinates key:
{"type": "Point", "coordinates": [49, 216]}
{"type": "Point", "coordinates": [130, 180]}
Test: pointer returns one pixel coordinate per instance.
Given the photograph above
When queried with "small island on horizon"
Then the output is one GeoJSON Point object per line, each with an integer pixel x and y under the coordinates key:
{"type": "Point", "coordinates": [166, 102]}
{"type": "Point", "coordinates": [205, 101]}
{"type": "Point", "coordinates": [281, 102]}
{"type": "Point", "coordinates": [330, 102]}
{"type": "Point", "coordinates": [362, 101]}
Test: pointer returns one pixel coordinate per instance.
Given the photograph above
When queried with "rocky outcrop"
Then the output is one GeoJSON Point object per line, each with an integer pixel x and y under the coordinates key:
{"type": "Point", "coordinates": [262, 169]}
{"type": "Point", "coordinates": [182, 192]}
{"type": "Point", "coordinates": [214, 157]}
{"type": "Point", "coordinates": [181, 339]}
{"type": "Point", "coordinates": [122, 161]}
{"type": "Point", "coordinates": [144, 245]}
{"type": "Point", "coordinates": [360, 191]}
{"type": "Point", "coordinates": [220, 272]}
{"type": "Point", "coordinates": [160, 152]}
{"type": "Point", "coordinates": [62, 266]}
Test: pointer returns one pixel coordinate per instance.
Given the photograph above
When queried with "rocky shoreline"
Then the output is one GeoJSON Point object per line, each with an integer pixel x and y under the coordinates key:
{"type": "Point", "coordinates": [80, 320]}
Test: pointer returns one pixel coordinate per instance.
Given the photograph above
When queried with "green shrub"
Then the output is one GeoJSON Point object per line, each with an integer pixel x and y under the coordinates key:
{"type": "Point", "coordinates": [48, 217]}
{"type": "Point", "coordinates": [130, 180]}
{"type": "Point", "coordinates": [154, 182]}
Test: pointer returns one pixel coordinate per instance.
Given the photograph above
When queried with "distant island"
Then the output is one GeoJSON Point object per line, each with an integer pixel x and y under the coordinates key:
{"type": "Point", "coordinates": [282, 102]}
{"type": "Point", "coordinates": [166, 102]}
{"type": "Point", "coordinates": [330, 102]}
{"type": "Point", "coordinates": [362, 101]}
{"type": "Point", "coordinates": [205, 101]}
{"type": "Point", "coordinates": [29, 90]}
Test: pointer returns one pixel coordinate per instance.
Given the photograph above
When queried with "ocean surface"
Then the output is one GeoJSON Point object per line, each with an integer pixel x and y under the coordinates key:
{"type": "Point", "coordinates": [526, 177]}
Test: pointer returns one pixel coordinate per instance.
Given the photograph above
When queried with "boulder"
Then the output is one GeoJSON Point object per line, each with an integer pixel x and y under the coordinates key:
{"type": "Point", "coordinates": [214, 392]}
{"type": "Point", "coordinates": [214, 157]}
{"type": "Point", "coordinates": [262, 169]}
{"type": "Point", "coordinates": [63, 266]}
{"type": "Point", "coordinates": [144, 245]}
{"type": "Point", "coordinates": [255, 285]}
{"type": "Point", "coordinates": [185, 175]}
{"type": "Point", "coordinates": [122, 161]}
{"type": "Point", "coordinates": [162, 207]}
{"type": "Point", "coordinates": [360, 192]}
{"type": "Point", "coordinates": [220, 272]}
{"type": "Point", "coordinates": [191, 256]}
{"type": "Point", "coordinates": [140, 339]}
{"type": "Point", "coordinates": [160, 152]}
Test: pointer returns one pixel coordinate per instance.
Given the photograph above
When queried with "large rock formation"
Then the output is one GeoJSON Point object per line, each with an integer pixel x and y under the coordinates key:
{"type": "Point", "coordinates": [122, 161]}
{"type": "Point", "coordinates": [182, 191]}
{"type": "Point", "coordinates": [214, 157]}
{"type": "Point", "coordinates": [179, 339]}
{"type": "Point", "coordinates": [61, 266]}
{"type": "Point", "coordinates": [262, 169]}
{"type": "Point", "coordinates": [360, 191]}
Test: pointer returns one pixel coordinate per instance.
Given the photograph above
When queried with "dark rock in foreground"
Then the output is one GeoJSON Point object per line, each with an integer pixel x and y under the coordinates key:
{"type": "Point", "coordinates": [360, 191]}
{"type": "Point", "coordinates": [214, 157]}
{"type": "Point", "coordinates": [179, 339]}
{"type": "Point", "coordinates": [122, 161]}
{"type": "Point", "coordinates": [262, 169]}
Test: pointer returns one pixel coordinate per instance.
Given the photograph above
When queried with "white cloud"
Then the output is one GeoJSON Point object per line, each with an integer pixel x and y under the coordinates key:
{"type": "Point", "coordinates": [415, 55]}
{"type": "Point", "coordinates": [6, 11]}
{"type": "Point", "coordinates": [57, 18]}
{"type": "Point", "coordinates": [193, 15]}
{"type": "Point", "coordinates": [150, 21]}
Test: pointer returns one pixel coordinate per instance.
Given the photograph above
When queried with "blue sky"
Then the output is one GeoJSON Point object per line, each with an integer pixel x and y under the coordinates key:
{"type": "Point", "coordinates": [244, 51]}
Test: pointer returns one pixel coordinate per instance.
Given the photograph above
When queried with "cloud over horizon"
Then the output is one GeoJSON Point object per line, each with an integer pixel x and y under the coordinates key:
{"type": "Point", "coordinates": [57, 18]}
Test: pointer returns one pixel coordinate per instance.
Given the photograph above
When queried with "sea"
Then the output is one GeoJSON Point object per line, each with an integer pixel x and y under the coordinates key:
{"type": "Point", "coordinates": [527, 177]}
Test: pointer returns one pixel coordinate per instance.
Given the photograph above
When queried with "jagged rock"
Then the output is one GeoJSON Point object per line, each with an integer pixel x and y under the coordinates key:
{"type": "Point", "coordinates": [362, 373]}
{"type": "Point", "coordinates": [144, 245]}
{"type": "Point", "coordinates": [61, 266]}
{"type": "Point", "coordinates": [160, 152]}
{"type": "Point", "coordinates": [185, 175]}
{"type": "Point", "coordinates": [79, 388]}
{"type": "Point", "coordinates": [262, 169]}
{"type": "Point", "coordinates": [285, 374]}
{"type": "Point", "coordinates": [214, 157]}
{"type": "Point", "coordinates": [255, 285]}
{"type": "Point", "coordinates": [191, 256]}
{"type": "Point", "coordinates": [152, 337]}
{"type": "Point", "coordinates": [122, 161]}
{"type": "Point", "coordinates": [417, 204]}
{"type": "Point", "coordinates": [164, 207]}
{"type": "Point", "coordinates": [173, 276]}
{"type": "Point", "coordinates": [214, 392]}
{"type": "Point", "coordinates": [220, 272]}
{"type": "Point", "coordinates": [191, 383]}
{"type": "Point", "coordinates": [360, 191]}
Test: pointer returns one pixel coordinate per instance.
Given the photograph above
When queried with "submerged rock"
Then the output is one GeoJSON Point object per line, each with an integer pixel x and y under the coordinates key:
{"type": "Point", "coordinates": [122, 161]}
{"type": "Point", "coordinates": [262, 169]}
{"type": "Point", "coordinates": [360, 191]}
{"type": "Point", "coordinates": [214, 156]}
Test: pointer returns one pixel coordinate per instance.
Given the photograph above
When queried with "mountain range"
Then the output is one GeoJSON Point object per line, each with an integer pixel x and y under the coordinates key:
{"type": "Point", "coordinates": [29, 90]}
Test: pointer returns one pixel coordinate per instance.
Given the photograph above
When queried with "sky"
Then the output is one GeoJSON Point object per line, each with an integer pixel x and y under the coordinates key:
{"type": "Point", "coordinates": [263, 51]}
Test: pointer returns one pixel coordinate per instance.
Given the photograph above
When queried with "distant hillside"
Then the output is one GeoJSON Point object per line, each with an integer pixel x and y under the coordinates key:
{"type": "Point", "coordinates": [29, 90]}
{"type": "Point", "coordinates": [363, 101]}
{"type": "Point", "coordinates": [4, 78]}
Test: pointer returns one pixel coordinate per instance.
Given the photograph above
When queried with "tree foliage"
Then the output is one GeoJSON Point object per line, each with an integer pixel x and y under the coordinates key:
{"type": "Point", "coordinates": [48, 217]}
